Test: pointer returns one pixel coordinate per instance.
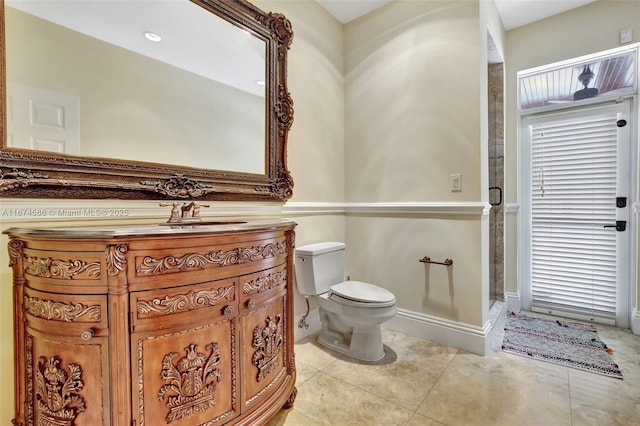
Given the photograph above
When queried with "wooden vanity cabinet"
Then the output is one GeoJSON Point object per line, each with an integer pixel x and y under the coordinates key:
{"type": "Point", "coordinates": [146, 326]}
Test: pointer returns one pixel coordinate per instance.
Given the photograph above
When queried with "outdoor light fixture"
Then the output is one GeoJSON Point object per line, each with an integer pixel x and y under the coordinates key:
{"type": "Point", "coordinates": [585, 78]}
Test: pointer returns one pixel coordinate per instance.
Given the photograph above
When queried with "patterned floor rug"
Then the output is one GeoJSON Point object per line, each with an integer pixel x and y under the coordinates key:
{"type": "Point", "coordinates": [568, 343]}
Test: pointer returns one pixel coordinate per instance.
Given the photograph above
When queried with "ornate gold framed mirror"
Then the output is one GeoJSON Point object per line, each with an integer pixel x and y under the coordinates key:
{"type": "Point", "coordinates": [86, 116]}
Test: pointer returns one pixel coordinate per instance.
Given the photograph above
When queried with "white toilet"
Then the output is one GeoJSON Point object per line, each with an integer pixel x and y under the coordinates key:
{"type": "Point", "coordinates": [350, 311]}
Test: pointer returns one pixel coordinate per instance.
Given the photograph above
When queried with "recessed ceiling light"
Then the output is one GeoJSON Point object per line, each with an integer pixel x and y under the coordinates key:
{"type": "Point", "coordinates": [151, 36]}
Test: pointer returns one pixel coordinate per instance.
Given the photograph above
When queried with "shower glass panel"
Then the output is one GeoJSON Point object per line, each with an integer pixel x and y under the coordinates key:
{"type": "Point", "coordinates": [496, 173]}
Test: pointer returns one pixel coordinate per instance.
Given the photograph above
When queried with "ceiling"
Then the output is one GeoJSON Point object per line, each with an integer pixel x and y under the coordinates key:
{"type": "Point", "coordinates": [514, 13]}
{"type": "Point", "coordinates": [126, 20]}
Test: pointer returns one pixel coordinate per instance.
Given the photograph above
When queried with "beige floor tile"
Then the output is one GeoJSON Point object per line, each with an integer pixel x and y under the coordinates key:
{"type": "Point", "coordinates": [499, 390]}
{"type": "Point", "coordinates": [324, 400]}
{"type": "Point", "coordinates": [405, 379]}
{"type": "Point", "coordinates": [587, 415]}
{"type": "Point", "coordinates": [592, 390]}
{"type": "Point", "coordinates": [603, 400]}
{"type": "Point", "coordinates": [309, 352]}
{"type": "Point", "coordinates": [443, 353]}
{"type": "Point", "coordinates": [420, 420]}
{"type": "Point", "coordinates": [295, 417]}
{"type": "Point", "coordinates": [421, 383]}
{"type": "Point", "coordinates": [304, 372]}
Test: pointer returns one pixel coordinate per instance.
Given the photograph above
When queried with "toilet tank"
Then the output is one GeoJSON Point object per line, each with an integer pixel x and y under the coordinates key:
{"type": "Point", "coordinates": [319, 266]}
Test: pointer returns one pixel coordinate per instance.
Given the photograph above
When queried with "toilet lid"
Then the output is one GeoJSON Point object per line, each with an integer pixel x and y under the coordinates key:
{"type": "Point", "coordinates": [363, 293]}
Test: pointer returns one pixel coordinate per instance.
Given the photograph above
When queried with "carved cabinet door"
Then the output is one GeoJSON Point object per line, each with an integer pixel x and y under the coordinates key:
{"type": "Point", "coordinates": [184, 355]}
{"type": "Point", "coordinates": [264, 336]}
{"type": "Point", "coordinates": [66, 365]}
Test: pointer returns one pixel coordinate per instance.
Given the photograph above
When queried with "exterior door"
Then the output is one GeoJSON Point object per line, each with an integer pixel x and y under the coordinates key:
{"type": "Point", "coordinates": [579, 212]}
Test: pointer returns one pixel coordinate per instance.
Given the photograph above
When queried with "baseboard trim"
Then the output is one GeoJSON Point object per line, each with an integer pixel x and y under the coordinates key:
{"type": "Point", "coordinates": [477, 340]}
{"type": "Point", "coordinates": [635, 322]}
{"type": "Point", "coordinates": [450, 333]}
{"type": "Point", "coordinates": [514, 304]}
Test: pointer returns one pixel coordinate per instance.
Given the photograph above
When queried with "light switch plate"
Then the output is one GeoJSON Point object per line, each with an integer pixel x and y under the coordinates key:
{"type": "Point", "coordinates": [456, 182]}
{"type": "Point", "coordinates": [626, 36]}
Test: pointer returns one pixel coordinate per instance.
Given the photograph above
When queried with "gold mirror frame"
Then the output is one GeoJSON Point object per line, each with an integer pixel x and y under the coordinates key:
{"type": "Point", "coordinates": [33, 174]}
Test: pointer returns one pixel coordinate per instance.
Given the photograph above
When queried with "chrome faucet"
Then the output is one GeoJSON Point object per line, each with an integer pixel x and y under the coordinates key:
{"type": "Point", "coordinates": [185, 212]}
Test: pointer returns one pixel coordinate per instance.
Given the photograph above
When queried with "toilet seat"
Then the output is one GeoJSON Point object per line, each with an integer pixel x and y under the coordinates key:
{"type": "Point", "coordinates": [359, 294]}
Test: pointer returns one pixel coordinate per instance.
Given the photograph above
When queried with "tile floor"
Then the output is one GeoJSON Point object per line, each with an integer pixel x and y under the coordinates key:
{"type": "Point", "coordinates": [424, 383]}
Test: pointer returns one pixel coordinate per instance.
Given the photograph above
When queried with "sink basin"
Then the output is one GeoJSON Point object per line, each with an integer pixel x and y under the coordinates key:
{"type": "Point", "coordinates": [204, 223]}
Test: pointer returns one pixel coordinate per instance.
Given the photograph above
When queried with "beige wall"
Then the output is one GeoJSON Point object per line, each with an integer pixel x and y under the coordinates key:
{"type": "Point", "coordinates": [386, 250]}
{"type": "Point", "coordinates": [413, 96]}
{"type": "Point", "coordinates": [316, 141]}
{"type": "Point", "coordinates": [588, 29]}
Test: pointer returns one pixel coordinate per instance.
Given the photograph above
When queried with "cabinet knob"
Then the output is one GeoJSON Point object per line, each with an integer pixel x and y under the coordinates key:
{"type": "Point", "coordinates": [87, 334]}
{"type": "Point", "coordinates": [251, 304]}
{"type": "Point", "coordinates": [228, 311]}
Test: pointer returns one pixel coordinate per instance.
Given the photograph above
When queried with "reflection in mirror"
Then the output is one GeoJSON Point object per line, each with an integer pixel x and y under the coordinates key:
{"type": "Point", "coordinates": [82, 79]}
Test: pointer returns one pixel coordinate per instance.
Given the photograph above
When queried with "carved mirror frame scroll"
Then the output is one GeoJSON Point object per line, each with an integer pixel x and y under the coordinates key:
{"type": "Point", "coordinates": [39, 174]}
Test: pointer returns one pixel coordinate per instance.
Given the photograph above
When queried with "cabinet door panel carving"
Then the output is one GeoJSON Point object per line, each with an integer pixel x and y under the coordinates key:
{"type": "Point", "coordinates": [66, 381]}
{"type": "Point", "coordinates": [188, 377]}
{"type": "Point", "coordinates": [263, 360]}
{"type": "Point", "coordinates": [267, 345]}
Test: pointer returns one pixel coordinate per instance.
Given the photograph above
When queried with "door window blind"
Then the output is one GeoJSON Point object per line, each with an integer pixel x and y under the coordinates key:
{"type": "Point", "coordinates": [574, 169]}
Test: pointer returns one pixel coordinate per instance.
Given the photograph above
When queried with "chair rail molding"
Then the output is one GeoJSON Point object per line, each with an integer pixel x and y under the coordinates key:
{"type": "Point", "coordinates": [393, 208]}
{"type": "Point", "coordinates": [511, 207]}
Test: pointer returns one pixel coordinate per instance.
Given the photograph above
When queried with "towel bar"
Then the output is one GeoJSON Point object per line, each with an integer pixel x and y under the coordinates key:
{"type": "Point", "coordinates": [427, 259]}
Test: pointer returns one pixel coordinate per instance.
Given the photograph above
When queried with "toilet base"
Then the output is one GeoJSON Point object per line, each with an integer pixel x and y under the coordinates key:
{"type": "Point", "coordinates": [363, 343]}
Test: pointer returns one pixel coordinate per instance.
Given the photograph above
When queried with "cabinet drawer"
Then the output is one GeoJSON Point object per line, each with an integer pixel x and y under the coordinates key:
{"type": "Point", "coordinates": [262, 285]}
{"type": "Point", "coordinates": [64, 272]}
{"type": "Point", "coordinates": [177, 306]}
{"type": "Point", "coordinates": [166, 266]}
{"type": "Point", "coordinates": [66, 314]}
